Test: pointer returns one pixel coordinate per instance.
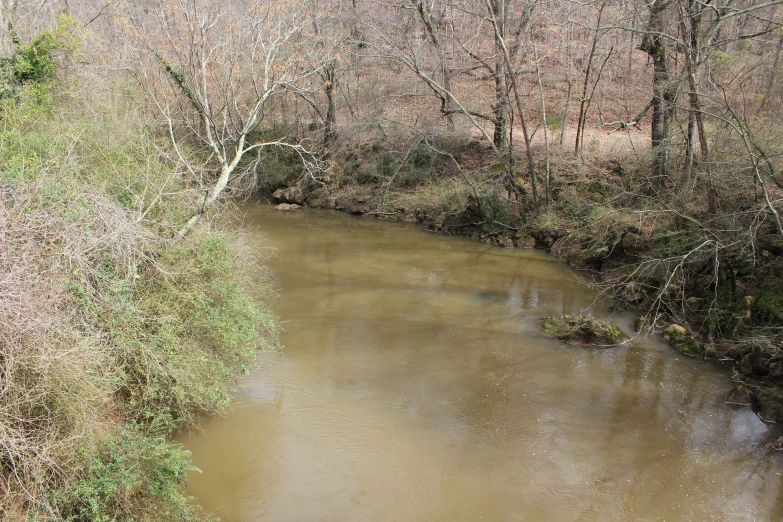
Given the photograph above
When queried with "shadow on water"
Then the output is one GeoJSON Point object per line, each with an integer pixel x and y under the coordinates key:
{"type": "Point", "coordinates": [416, 385]}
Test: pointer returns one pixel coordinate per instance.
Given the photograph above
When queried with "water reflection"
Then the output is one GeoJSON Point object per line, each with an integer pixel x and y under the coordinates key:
{"type": "Point", "coordinates": [415, 386]}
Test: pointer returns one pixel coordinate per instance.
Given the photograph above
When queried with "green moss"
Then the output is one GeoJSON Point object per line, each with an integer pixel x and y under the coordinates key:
{"type": "Point", "coordinates": [768, 311]}
{"type": "Point", "coordinates": [682, 340]}
{"type": "Point", "coordinates": [583, 330]}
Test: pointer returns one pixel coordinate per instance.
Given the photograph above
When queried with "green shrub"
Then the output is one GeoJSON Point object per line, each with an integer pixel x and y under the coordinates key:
{"type": "Point", "coordinates": [132, 476]}
{"type": "Point", "coordinates": [186, 329]}
{"type": "Point", "coordinates": [33, 64]}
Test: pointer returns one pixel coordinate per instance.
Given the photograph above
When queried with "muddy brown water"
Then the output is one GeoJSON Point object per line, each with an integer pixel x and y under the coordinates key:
{"type": "Point", "coordinates": [414, 385]}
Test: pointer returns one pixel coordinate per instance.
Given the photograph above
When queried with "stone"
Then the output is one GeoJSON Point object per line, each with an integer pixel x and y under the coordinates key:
{"type": "Point", "coordinates": [583, 330]}
{"type": "Point", "coordinates": [742, 314]}
{"type": "Point", "coordinates": [771, 243]}
{"type": "Point", "coordinates": [746, 365]}
{"type": "Point", "coordinates": [745, 306]}
{"type": "Point", "coordinates": [760, 360]}
{"type": "Point", "coordinates": [740, 395]}
{"type": "Point", "coordinates": [288, 206]}
{"type": "Point", "coordinates": [589, 259]}
{"type": "Point", "coordinates": [705, 282]}
{"type": "Point", "coordinates": [636, 245]}
{"type": "Point", "coordinates": [775, 371]}
{"type": "Point", "coordinates": [559, 248]}
{"type": "Point", "coordinates": [526, 241]}
{"type": "Point", "coordinates": [679, 338]}
{"type": "Point", "coordinates": [291, 195]}
{"type": "Point", "coordinates": [770, 403]}
{"type": "Point", "coordinates": [618, 274]}
{"type": "Point", "coordinates": [544, 238]}
{"type": "Point", "coordinates": [694, 309]}
{"type": "Point", "coordinates": [633, 293]}
{"type": "Point", "coordinates": [612, 263]}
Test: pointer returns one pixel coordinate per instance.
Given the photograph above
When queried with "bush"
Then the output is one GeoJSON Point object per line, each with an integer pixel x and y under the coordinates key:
{"type": "Point", "coordinates": [111, 336]}
{"type": "Point", "coordinates": [132, 476]}
{"type": "Point", "coordinates": [33, 64]}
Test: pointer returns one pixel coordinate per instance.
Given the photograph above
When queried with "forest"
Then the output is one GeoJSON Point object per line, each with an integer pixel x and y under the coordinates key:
{"type": "Point", "coordinates": [639, 140]}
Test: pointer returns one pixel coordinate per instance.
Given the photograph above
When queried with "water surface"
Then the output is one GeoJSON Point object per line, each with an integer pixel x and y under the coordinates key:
{"type": "Point", "coordinates": [415, 386]}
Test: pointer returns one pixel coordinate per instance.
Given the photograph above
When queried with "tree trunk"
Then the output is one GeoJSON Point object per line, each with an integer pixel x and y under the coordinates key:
{"type": "Point", "coordinates": [447, 73]}
{"type": "Point", "coordinates": [664, 94]}
{"type": "Point", "coordinates": [500, 107]}
{"type": "Point", "coordinates": [570, 80]}
{"type": "Point", "coordinates": [330, 121]}
{"type": "Point", "coordinates": [7, 11]}
{"type": "Point", "coordinates": [544, 122]}
{"type": "Point", "coordinates": [582, 120]}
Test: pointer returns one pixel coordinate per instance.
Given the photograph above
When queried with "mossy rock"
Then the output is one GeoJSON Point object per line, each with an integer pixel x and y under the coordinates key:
{"type": "Point", "coordinates": [740, 395]}
{"type": "Point", "coordinates": [583, 330]}
{"type": "Point", "coordinates": [770, 404]}
{"type": "Point", "coordinates": [682, 340]}
{"type": "Point", "coordinates": [768, 311]}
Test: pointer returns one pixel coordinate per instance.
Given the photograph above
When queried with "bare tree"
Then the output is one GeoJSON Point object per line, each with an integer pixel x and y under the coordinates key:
{"type": "Point", "coordinates": [225, 65]}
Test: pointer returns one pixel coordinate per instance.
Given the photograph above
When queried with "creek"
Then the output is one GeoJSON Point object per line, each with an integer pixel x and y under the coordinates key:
{"type": "Point", "coordinates": [415, 385]}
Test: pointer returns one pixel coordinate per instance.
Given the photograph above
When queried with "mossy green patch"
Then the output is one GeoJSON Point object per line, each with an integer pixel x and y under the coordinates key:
{"type": "Point", "coordinates": [583, 330]}
{"type": "Point", "coordinates": [682, 340]}
{"type": "Point", "coordinates": [768, 311]}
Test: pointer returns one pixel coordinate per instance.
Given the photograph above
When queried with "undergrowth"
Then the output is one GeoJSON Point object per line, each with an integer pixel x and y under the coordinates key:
{"type": "Point", "coordinates": [111, 336]}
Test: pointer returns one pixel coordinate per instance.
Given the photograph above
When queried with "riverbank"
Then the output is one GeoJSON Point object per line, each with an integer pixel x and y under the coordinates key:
{"type": "Point", "coordinates": [718, 276]}
{"type": "Point", "coordinates": [112, 336]}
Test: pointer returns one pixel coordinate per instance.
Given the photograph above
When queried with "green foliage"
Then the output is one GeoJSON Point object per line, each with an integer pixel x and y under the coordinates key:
{"type": "Point", "coordinates": [402, 164]}
{"type": "Point", "coordinates": [132, 477]}
{"type": "Point", "coordinates": [441, 200]}
{"type": "Point", "coordinates": [555, 122]}
{"type": "Point", "coordinates": [682, 340]}
{"type": "Point", "coordinates": [185, 330]}
{"type": "Point", "coordinates": [33, 64]}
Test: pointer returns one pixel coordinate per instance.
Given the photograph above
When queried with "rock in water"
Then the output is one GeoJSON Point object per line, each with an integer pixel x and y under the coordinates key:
{"type": "Point", "coordinates": [740, 395]}
{"type": "Point", "coordinates": [682, 340]}
{"type": "Point", "coordinates": [287, 206]}
{"type": "Point", "coordinates": [770, 404]}
{"type": "Point", "coordinates": [581, 329]}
